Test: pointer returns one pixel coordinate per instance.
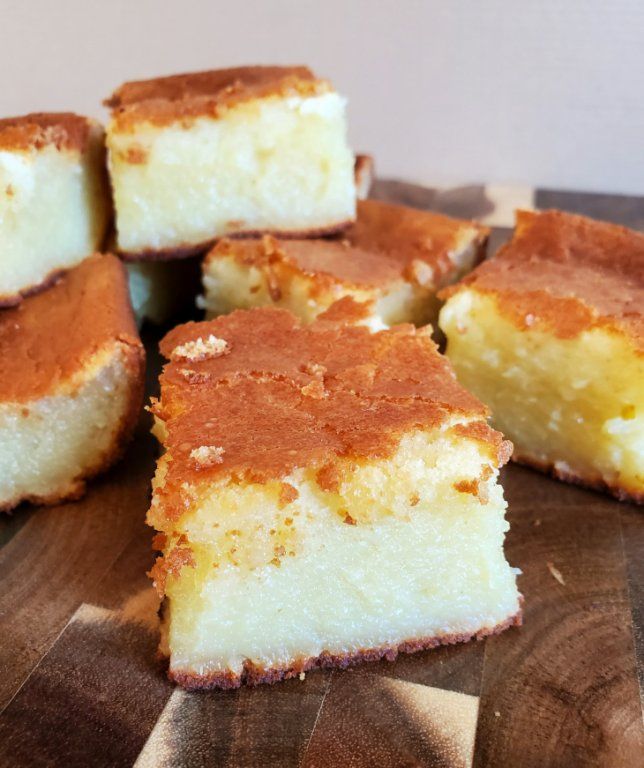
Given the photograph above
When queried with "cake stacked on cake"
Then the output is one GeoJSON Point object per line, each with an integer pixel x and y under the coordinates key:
{"type": "Point", "coordinates": [71, 362]}
{"type": "Point", "coordinates": [326, 495]}
{"type": "Point", "coordinates": [235, 151]}
{"type": "Point", "coordinates": [550, 334]}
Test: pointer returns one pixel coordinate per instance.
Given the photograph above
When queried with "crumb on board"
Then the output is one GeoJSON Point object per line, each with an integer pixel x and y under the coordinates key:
{"type": "Point", "coordinates": [556, 574]}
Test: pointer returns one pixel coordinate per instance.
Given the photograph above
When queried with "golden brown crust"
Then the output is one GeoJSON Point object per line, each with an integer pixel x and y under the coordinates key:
{"type": "Point", "coordinates": [386, 243]}
{"type": "Point", "coordinates": [347, 311]}
{"type": "Point", "coordinates": [185, 251]}
{"type": "Point", "coordinates": [324, 262]}
{"type": "Point", "coordinates": [593, 484]}
{"type": "Point", "coordinates": [255, 675]}
{"type": "Point", "coordinates": [568, 274]}
{"type": "Point", "coordinates": [483, 432]}
{"type": "Point", "coordinates": [46, 339]}
{"type": "Point", "coordinates": [255, 403]}
{"type": "Point", "coordinates": [64, 130]}
{"type": "Point", "coordinates": [164, 100]}
{"type": "Point", "coordinates": [408, 235]}
{"type": "Point", "coordinates": [135, 367]}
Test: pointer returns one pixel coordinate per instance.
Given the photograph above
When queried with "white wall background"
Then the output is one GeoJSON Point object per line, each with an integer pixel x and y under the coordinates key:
{"type": "Point", "coordinates": [548, 92]}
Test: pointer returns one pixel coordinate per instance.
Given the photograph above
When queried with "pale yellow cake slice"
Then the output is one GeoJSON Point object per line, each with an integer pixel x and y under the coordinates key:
{"type": "Point", "coordinates": [71, 384]}
{"type": "Point", "coordinates": [394, 258]}
{"type": "Point", "coordinates": [235, 151]}
{"type": "Point", "coordinates": [550, 334]}
{"type": "Point", "coordinates": [54, 199]}
{"type": "Point", "coordinates": [326, 495]}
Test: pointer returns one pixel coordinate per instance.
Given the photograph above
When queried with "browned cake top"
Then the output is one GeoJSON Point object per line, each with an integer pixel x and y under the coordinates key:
{"type": "Point", "coordinates": [165, 99]}
{"type": "Point", "coordinates": [48, 337]}
{"type": "Point", "coordinates": [254, 394]}
{"type": "Point", "coordinates": [386, 243]}
{"type": "Point", "coordinates": [63, 129]}
{"type": "Point", "coordinates": [569, 272]}
{"type": "Point", "coordinates": [327, 262]}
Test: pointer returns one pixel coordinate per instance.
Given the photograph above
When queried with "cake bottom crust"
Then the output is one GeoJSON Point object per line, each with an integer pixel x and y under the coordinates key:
{"type": "Point", "coordinates": [254, 674]}
{"type": "Point", "coordinates": [77, 486]}
{"type": "Point", "coordinates": [593, 484]}
{"type": "Point", "coordinates": [12, 300]}
{"type": "Point", "coordinates": [184, 251]}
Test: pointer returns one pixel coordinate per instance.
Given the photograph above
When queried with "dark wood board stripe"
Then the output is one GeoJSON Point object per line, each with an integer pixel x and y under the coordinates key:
{"type": "Point", "coordinates": [563, 690]}
{"type": "Point", "coordinates": [633, 541]}
{"type": "Point", "coordinates": [49, 566]}
{"type": "Point", "coordinates": [620, 209]}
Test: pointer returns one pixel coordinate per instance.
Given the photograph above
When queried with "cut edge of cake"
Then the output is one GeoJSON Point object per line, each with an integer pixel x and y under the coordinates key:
{"type": "Point", "coordinates": [570, 303]}
{"type": "Point", "coordinates": [236, 109]}
{"type": "Point", "coordinates": [79, 139]}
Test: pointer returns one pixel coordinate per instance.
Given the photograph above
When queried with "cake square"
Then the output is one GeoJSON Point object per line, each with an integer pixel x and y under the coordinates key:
{"type": "Point", "coordinates": [234, 151]}
{"type": "Point", "coordinates": [326, 495]}
{"type": "Point", "coordinates": [393, 258]}
{"type": "Point", "coordinates": [71, 384]}
{"type": "Point", "coordinates": [54, 200]}
{"type": "Point", "coordinates": [550, 335]}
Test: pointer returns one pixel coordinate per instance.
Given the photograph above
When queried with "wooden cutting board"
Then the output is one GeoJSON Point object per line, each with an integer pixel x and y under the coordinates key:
{"type": "Point", "coordinates": [79, 684]}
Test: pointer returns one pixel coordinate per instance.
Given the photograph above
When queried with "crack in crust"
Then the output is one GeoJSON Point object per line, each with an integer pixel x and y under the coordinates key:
{"type": "Point", "coordinates": [185, 251]}
{"type": "Point", "coordinates": [599, 485]}
{"type": "Point", "coordinates": [254, 674]}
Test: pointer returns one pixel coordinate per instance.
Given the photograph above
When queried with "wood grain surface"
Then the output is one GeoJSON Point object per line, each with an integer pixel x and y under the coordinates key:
{"type": "Point", "coordinates": [80, 684]}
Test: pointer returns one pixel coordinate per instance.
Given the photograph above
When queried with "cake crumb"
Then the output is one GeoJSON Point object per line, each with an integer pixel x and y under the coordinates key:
{"type": "Point", "coordinates": [422, 273]}
{"type": "Point", "coordinates": [497, 713]}
{"type": "Point", "coordinates": [315, 390]}
{"type": "Point", "coordinates": [556, 574]}
{"type": "Point", "coordinates": [207, 456]}
{"type": "Point", "coordinates": [414, 499]}
{"type": "Point", "coordinates": [288, 494]}
{"type": "Point", "coordinates": [328, 478]}
{"type": "Point", "coordinates": [313, 369]}
{"type": "Point", "coordinates": [200, 349]}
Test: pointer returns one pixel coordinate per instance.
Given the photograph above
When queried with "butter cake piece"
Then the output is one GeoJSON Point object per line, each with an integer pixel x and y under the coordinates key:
{"type": "Point", "coordinates": [550, 334]}
{"type": "Point", "coordinates": [394, 258]}
{"type": "Point", "coordinates": [71, 384]}
{"type": "Point", "coordinates": [233, 151]}
{"type": "Point", "coordinates": [54, 201]}
{"type": "Point", "coordinates": [326, 495]}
